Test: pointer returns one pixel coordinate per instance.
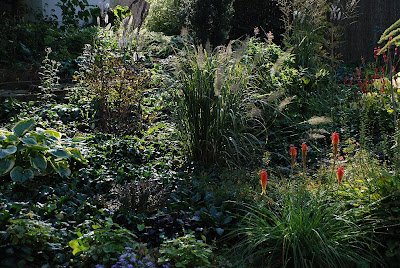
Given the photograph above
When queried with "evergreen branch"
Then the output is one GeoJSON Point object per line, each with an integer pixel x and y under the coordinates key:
{"type": "Point", "coordinates": [387, 33]}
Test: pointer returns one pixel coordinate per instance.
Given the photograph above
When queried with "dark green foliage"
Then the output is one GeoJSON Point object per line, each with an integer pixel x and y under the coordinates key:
{"type": "Point", "coordinates": [186, 251]}
{"type": "Point", "coordinates": [102, 243]}
{"type": "Point", "coordinates": [26, 153]}
{"type": "Point", "coordinates": [115, 82]}
{"type": "Point", "coordinates": [72, 11]}
{"type": "Point", "coordinates": [168, 16]}
{"type": "Point", "coordinates": [210, 21]}
{"type": "Point", "coordinates": [29, 241]}
{"type": "Point", "coordinates": [24, 44]}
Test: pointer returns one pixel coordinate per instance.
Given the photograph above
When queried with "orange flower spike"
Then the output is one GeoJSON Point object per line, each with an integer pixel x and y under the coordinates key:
{"type": "Point", "coordinates": [335, 143]}
{"type": "Point", "coordinates": [293, 153]}
{"type": "Point", "coordinates": [340, 174]}
{"type": "Point", "coordinates": [264, 179]}
{"type": "Point", "coordinates": [304, 150]}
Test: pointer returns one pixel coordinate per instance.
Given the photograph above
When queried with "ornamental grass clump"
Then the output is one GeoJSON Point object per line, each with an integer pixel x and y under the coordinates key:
{"type": "Point", "coordinates": [211, 99]}
{"type": "Point", "coordinates": [304, 229]}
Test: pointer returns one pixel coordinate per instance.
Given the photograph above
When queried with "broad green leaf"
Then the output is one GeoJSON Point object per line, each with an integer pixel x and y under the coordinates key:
{"type": "Point", "coordinates": [8, 151]}
{"type": "Point", "coordinates": [219, 231]}
{"type": "Point", "coordinates": [18, 174]}
{"type": "Point", "coordinates": [76, 154]}
{"type": "Point", "coordinates": [6, 165]}
{"type": "Point", "coordinates": [141, 227]}
{"type": "Point", "coordinates": [22, 127]}
{"type": "Point", "coordinates": [53, 133]}
{"type": "Point", "coordinates": [78, 139]}
{"type": "Point", "coordinates": [2, 137]}
{"type": "Point", "coordinates": [38, 161]}
{"type": "Point", "coordinates": [78, 246]}
{"type": "Point", "coordinates": [306, 80]}
{"type": "Point", "coordinates": [60, 152]}
{"type": "Point", "coordinates": [62, 169]}
{"type": "Point", "coordinates": [29, 140]}
{"type": "Point", "coordinates": [38, 147]}
{"type": "Point", "coordinates": [12, 138]}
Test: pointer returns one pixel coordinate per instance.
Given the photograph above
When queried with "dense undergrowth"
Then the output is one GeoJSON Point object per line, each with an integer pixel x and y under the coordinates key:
{"type": "Point", "coordinates": [154, 159]}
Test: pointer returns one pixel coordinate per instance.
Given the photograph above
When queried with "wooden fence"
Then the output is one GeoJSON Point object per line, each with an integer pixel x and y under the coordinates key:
{"type": "Point", "coordinates": [362, 36]}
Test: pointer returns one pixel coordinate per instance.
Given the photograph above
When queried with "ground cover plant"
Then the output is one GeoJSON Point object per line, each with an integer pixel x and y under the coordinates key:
{"type": "Point", "coordinates": [171, 151]}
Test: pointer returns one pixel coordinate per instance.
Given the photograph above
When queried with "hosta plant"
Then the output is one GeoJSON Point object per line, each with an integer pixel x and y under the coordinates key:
{"type": "Point", "coordinates": [26, 153]}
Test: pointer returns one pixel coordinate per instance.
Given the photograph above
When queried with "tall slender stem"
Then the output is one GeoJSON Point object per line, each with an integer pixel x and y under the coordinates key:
{"type": "Point", "coordinates": [396, 129]}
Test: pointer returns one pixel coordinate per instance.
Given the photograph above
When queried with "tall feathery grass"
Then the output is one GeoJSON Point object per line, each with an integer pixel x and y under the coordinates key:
{"type": "Point", "coordinates": [211, 97]}
{"type": "Point", "coordinates": [305, 229]}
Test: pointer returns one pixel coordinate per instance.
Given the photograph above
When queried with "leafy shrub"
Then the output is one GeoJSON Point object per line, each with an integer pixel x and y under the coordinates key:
{"type": "Point", "coordinates": [103, 243]}
{"type": "Point", "coordinates": [29, 241]}
{"type": "Point", "coordinates": [210, 21]}
{"type": "Point", "coordinates": [25, 154]}
{"type": "Point", "coordinates": [71, 14]}
{"type": "Point", "coordinates": [116, 83]}
{"type": "Point", "coordinates": [167, 16]}
{"type": "Point", "coordinates": [313, 28]}
{"type": "Point", "coordinates": [305, 229]}
{"type": "Point", "coordinates": [186, 251]}
{"type": "Point", "coordinates": [49, 77]}
{"type": "Point", "coordinates": [211, 105]}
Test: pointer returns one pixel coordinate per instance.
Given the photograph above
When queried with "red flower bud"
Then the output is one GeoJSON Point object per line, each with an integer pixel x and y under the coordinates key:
{"type": "Point", "coordinates": [293, 152]}
{"type": "Point", "coordinates": [340, 174]}
{"type": "Point", "coordinates": [335, 142]}
{"type": "Point", "coordinates": [264, 179]}
{"type": "Point", "coordinates": [304, 150]}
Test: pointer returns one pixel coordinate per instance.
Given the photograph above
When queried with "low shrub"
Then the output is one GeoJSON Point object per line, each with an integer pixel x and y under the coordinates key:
{"type": "Point", "coordinates": [26, 153]}
{"type": "Point", "coordinates": [186, 251]}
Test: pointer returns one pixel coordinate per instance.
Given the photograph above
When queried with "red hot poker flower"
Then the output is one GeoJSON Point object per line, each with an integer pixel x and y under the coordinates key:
{"type": "Point", "coordinates": [293, 152]}
{"type": "Point", "coordinates": [304, 150]}
{"type": "Point", "coordinates": [304, 147]}
{"type": "Point", "coordinates": [264, 179]}
{"type": "Point", "coordinates": [335, 142]}
{"type": "Point", "coordinates": [340, 174]}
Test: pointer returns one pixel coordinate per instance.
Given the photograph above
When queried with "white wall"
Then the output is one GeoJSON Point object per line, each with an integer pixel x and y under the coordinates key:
{"type": "Point", "coordinates": [49, 7]}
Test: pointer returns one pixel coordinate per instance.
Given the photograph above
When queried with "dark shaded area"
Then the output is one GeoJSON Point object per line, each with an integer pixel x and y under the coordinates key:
{"type": "Point", "coordinates": [264, 14]}
{"type": "Point", "coordinates": [362, 36]}
{"type": "Point", "coordinates": [210, 21]}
